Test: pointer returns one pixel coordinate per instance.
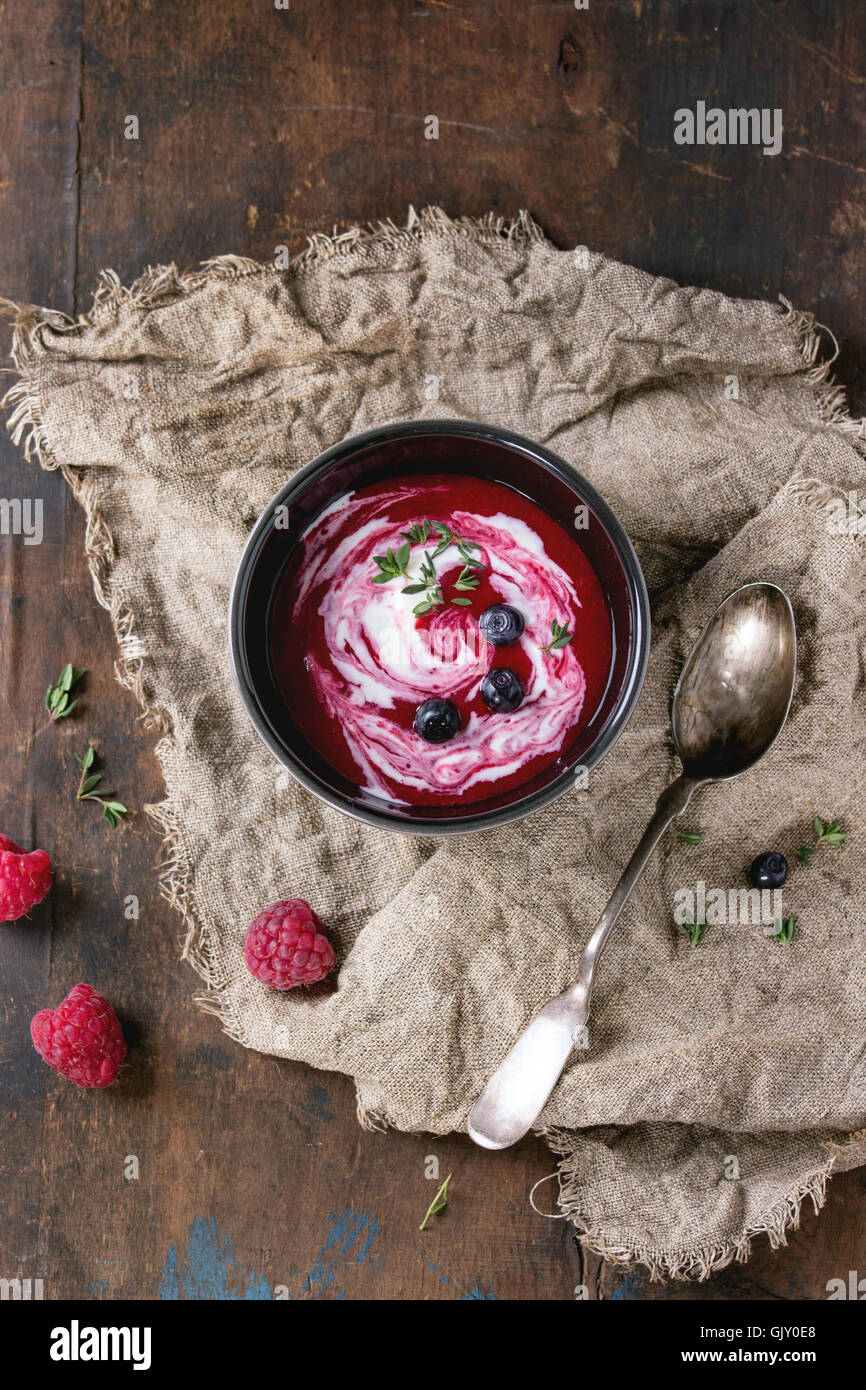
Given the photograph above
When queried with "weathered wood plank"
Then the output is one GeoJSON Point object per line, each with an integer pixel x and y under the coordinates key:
{"type": "Point", "coordinates": [39, 84]}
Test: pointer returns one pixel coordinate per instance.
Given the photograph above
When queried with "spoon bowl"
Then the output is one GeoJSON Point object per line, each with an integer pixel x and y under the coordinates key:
{"type": "Point", "coordinates": [735, 690]}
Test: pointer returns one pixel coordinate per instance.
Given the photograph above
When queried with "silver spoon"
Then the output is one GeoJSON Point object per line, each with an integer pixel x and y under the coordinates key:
{"type": "Point", "coordinates": [729, 706]}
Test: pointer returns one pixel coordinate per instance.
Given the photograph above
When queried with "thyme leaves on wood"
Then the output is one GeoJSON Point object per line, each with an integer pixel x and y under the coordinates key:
{"type": "Point", "coordinates": [89, 789]}
{"type": "Point", "coordinates": [58, 699]}
{"type": "Point", "coordinates": [439, 1201]}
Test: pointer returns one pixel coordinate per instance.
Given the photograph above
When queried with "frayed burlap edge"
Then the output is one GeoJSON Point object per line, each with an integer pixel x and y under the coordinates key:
{"type": "Point", "coordinates": [693, 1264]}
{"type": "Point", "coordinates": [161, 284]}
{"type": "Point", "coordinates": [700, 1262]}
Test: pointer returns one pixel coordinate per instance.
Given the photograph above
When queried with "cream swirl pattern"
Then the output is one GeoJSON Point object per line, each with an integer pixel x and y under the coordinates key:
{"type": "Point", "coordinates": [383, 660]}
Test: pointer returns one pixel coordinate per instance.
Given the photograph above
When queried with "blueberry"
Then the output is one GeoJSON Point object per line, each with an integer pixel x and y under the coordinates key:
{"type": "Point", "coordinates": [436, 720]}
{"type": "Point", "coordinates": [769, 870]}
{"type": "Point", "coordinates": [501, 690]}
{"type": "Point", "coordinates": [501, 625]}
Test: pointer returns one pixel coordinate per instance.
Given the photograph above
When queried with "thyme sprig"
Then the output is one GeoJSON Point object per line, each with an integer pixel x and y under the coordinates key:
{"type": "Point", "coordinates": [57, 700]}
{"type": "Point", "coordinates": [446, 537]}
{"type": "Point", "coordinates": [467, 580]}
{"type": "Point", "coordinates": [394, 565]}
{"type": "Point", "coordinates": [465, 549]}
{"type": "Point", "coordinates": [829, 834]}
{"type": "Point", "coordinates": [784, 930]}
{"type": "Point", "coordinates": [559, 637]}
{"type": "Point", "coordinates": [695, 931]}
{"type": "Point", "coordinates": [687, 837]}
{"type": "Point", "coordinates": [428, 585]}
{"type": "Point", "coordinates": [87, 790]}
{"type": "Point", "coordinates": [439, 1201]}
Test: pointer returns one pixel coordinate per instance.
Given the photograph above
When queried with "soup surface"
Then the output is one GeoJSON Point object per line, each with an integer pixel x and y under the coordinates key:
{"type": "Point", "coordinates": [382, 608]}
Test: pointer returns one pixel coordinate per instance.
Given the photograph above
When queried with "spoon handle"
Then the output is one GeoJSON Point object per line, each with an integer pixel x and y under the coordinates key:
{"type": "Point", "coordinates": [517, 1092]}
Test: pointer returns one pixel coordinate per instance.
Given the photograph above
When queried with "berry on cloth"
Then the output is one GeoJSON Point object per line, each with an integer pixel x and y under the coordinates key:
{"type": "Point", "coordinates": [81, 1038]}
{"type": "Point", "coordinates": [286, 946]}
{"type": "Point", "coordinates": [769, 870]}
{"type": "Point", "coordinates": [24, 879]}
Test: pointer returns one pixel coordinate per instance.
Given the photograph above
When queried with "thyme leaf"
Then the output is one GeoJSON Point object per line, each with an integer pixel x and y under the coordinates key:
{"type": "Point", "coordinates": [87, 790]}
{"type": "Point", "coordinates": [439, 1201]}
{"type": "Point", "coordinates": [467, 581]}
{"type": "Point", "coordinates": [559, 637]}
{"type": "Point", "coordinates": [830, 834]}
{"type": "Point", "coordinates": [446, 537]}
{"type": "Point", "coordinates": [784, 930]}
{"type": "Point", "coordinates": [695, 931]}
{"type": "Point", "coordinates": [57, 698]}
{"type": "Point", "coordinates": [392, 564]}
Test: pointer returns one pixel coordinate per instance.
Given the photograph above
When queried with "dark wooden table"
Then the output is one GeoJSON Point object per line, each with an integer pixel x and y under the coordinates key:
{"type": "Point", "coordinates": [257, 126]}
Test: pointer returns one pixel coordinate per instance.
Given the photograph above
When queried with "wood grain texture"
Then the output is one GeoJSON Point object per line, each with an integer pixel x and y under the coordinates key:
{"type": "Point", "coordinates": [258, 126]}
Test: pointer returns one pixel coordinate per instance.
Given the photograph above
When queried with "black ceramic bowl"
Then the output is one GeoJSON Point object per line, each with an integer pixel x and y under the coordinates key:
{"type": "Point", "coordinates": [435, 446]}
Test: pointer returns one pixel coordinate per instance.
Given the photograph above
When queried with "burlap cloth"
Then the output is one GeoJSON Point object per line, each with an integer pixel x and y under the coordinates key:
{"type": "Point", "coordinates": [178, 407]}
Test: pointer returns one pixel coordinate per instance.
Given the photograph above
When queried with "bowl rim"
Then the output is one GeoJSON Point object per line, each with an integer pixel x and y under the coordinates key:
{"type": "Point", "coordinates": [539, 454]}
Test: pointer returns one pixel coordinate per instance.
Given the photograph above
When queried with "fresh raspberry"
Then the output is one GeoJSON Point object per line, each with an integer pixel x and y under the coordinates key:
{"type": "Point", "coordinates": [285, 946]}
{"type": "Point", "coordinates": [24, 879]}
{"type": "Point", "coordinates": [81, 1039]}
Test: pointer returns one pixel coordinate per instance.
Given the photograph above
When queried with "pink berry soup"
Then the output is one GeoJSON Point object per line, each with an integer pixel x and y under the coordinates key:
{"type": "Point", "coordinates": [440, 639]}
